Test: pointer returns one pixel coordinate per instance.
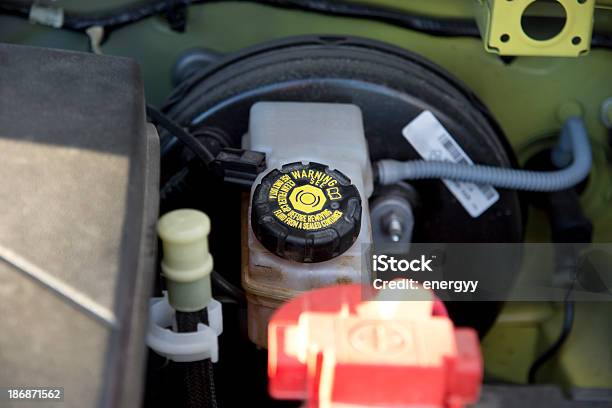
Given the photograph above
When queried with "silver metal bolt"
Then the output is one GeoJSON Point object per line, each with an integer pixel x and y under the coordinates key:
{"type": "Point", "coordinates": [395, 228]}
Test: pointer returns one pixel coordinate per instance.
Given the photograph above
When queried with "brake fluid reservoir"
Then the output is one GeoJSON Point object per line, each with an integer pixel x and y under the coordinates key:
{"type": "Point", "coordinates": [308, 218]}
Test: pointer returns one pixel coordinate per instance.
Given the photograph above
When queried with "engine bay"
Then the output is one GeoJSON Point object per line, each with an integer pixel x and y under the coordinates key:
{"type": "Point", "coordinates": [306, 203]}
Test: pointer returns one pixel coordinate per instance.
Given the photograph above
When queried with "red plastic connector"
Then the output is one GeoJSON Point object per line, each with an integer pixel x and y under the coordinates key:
{"type": "Point", "coordinates": [331, 349]}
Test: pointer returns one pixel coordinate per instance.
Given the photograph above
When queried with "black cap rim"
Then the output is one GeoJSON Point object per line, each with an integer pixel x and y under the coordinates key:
{"type": "Point", "coordinates": [306, 212]}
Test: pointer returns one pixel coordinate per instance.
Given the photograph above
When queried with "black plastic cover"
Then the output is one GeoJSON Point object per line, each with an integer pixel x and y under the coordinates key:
{"type": "Point", "coordinates": [306, 212]}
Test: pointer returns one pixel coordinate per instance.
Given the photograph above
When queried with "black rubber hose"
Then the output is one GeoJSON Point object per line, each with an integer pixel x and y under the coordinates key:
{"type": "Point", "coordinates": [199, 375]}
{"type": "Point", "coordinates": [132, 13]}
{"type": "Point", "coordinates": [601, 39]}
{"type": "Point", "coordinates": [232, 291]}
{"type": "Point", "coordinates": [199, 149]}
{"type": "Point", "coordinates": [448, 27]}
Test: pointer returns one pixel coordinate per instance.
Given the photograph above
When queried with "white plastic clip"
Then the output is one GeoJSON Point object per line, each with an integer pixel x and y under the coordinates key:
{"type": "Point", "coordinates": [183, 347]}
{"type": "Point", "coordinates": [48, 16]}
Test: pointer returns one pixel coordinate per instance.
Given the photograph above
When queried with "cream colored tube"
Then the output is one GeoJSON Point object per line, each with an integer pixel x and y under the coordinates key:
{"type": "Point", "coordinates": [186, 263]}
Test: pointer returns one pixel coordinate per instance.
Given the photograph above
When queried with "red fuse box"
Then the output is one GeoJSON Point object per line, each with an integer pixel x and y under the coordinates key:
{"type": "Point", "coordinates": [332, 349]}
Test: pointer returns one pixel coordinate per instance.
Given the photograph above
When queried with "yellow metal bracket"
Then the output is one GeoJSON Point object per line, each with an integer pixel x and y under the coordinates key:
{"type": "Point", "coordinates": [503, 26]}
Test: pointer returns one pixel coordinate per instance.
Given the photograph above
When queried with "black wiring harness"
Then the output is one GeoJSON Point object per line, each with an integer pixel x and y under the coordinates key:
{"type": "Point", "coordinates": [199, 375]}
{"type": "Point", "coordinates": [193, 144]}
{"type": "Point", "coordinates": [116, 18]}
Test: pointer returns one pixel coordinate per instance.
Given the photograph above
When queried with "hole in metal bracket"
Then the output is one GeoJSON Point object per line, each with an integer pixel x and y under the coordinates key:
{"type": "Point", "coordinates": [543, 19]}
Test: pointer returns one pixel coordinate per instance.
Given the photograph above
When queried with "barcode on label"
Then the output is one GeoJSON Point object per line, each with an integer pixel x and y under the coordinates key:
{"type": "Point", "coordinates": [488, 191]}
{"type": "Point", "coordinates": [433, 142]}
{"type": "Point", "coordinates": [450, 147]}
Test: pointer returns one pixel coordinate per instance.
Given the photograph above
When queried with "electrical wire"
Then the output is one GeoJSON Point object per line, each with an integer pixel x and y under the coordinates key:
{"type": "Point", "coordinates": [201, 151]}
{"type": "Point", "coordinates": [566, 218]}
{"type": "Point", "coordinates": [566, 328]}
{"type": "Point", "coordinates": [116, 18]}
{"type": "Point", "coordinates": [568, 318]}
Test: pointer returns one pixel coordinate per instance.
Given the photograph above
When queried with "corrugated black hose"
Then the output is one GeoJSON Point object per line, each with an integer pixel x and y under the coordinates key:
{"type": "Point", "coordinates": [199, 375]}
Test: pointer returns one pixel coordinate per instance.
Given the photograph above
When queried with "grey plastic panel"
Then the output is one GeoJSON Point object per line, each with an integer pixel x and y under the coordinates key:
{"type": "Point", "coordinates": [78, 204]}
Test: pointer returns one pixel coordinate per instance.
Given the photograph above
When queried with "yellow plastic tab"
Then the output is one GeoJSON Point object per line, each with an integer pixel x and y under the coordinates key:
{"type": "Point", "coordinates": [536, 27]}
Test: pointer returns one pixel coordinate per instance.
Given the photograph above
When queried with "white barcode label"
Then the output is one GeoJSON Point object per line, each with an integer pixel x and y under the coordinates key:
{"type": "Point", "coordinates": [433, 142]}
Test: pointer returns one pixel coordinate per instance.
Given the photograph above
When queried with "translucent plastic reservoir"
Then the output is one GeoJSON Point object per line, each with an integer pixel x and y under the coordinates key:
{"type": "Point", "coordinates": [288, 132]}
